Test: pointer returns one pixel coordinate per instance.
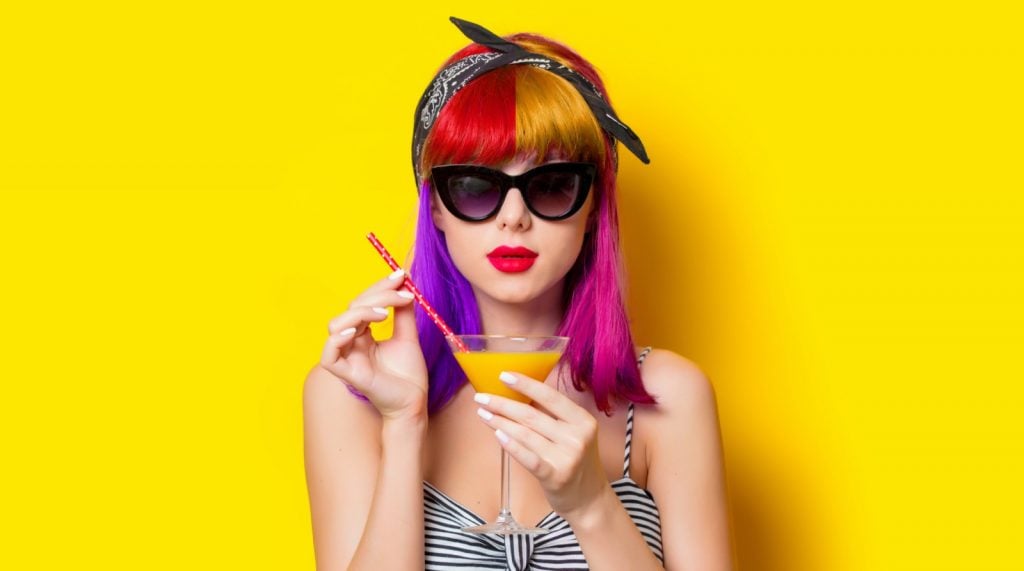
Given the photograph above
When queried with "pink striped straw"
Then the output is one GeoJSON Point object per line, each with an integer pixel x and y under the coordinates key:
{"type": "Point", "coordinates": [416, 292]}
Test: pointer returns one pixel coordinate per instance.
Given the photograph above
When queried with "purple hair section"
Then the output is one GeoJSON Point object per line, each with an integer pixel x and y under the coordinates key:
{"type": "Point", "coordinates": [442, 284]}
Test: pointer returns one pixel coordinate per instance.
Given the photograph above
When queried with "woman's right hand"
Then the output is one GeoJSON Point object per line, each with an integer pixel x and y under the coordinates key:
{"type": "Point", "coordinates": [392, 374]}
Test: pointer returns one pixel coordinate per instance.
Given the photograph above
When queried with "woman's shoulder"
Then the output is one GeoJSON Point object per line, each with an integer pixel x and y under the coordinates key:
{"type": "Point", "coordinates": [678, 385]}
{"type": "Point", "coordinates": [683, 419]}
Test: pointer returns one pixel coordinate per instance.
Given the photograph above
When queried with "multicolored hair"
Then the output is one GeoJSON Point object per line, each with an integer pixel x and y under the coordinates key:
{"type": "Point", "coordinates": [515, 111]}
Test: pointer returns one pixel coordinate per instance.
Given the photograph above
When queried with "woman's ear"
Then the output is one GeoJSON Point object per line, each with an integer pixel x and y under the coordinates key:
{"type": "Point", "coordinates": [436, 212]}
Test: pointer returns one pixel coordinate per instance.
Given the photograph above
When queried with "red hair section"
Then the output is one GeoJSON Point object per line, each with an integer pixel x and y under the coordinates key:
{"type": "Point", "coordinates": [478, 124]}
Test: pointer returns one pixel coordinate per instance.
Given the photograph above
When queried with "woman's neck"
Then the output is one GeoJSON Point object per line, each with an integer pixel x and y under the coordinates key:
{"type": "Point", "coordinates": [540, 316]}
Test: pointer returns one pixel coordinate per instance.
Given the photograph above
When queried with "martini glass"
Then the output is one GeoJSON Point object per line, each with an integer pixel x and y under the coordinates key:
{"type": "Point", "coordinates": [487, 357]}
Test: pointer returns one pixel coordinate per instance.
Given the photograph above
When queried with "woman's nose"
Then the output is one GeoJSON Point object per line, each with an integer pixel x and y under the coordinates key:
{"type": "Point", "coordinates": [513, 213]}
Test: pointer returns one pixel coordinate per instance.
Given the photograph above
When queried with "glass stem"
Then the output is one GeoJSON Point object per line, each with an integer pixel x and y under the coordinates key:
{"type": "Point", "coordinates": [505, 465]}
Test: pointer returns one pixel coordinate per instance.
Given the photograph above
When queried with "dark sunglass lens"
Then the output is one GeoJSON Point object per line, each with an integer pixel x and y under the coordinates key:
{"type": "Point", "coordinates": [554, 193]}
{"type": "Point", "coordinates": [474, 196]}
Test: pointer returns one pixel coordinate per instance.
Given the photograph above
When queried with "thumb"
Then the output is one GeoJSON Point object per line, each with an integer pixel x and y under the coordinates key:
{"type": "Point", "coordinates": [405, 323]}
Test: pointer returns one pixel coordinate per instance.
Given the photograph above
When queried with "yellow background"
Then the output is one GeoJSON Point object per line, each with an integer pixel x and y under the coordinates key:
{"type": "Point", "coordinates": [831, 227]}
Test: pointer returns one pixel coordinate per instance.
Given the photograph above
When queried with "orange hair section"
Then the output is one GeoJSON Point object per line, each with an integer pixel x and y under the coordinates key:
{"type": "Point", "coordinates": [552, 119]}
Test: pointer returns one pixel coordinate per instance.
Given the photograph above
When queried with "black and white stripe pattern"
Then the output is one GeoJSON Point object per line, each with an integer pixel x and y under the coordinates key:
{"type": "Point", "coordinates": [448, 549]}
{"type": "Point", "coordinates": [629, 421]}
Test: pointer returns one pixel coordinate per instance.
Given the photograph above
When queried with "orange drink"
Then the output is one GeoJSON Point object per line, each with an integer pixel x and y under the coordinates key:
{"type": "Point", "coordinates": [483, 368]}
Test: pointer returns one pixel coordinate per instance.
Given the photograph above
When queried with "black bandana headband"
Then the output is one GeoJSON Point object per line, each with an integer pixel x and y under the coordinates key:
{"type": "Point", "coordinates": [455, 76]}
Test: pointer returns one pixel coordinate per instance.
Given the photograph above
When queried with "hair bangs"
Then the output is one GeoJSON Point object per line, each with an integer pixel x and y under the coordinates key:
{"type": "Point", "coordinates": [553, 121]}
{"type": "Point", "coordinates": [478, 125]}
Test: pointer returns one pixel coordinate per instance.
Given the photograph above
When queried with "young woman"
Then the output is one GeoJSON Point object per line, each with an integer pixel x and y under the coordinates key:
{"type": "Point", "coordinates": [619, 456]}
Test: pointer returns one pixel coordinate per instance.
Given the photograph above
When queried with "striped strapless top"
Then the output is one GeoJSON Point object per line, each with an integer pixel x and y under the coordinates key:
{"type": "Point", "coordinates": [449, 549]}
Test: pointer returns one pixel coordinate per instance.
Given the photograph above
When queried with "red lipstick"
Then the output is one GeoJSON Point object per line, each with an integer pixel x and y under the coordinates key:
{"type": "Point", "coordinates": [512, 259]}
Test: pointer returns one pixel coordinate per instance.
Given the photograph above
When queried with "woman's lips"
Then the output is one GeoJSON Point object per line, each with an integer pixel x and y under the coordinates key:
{"type": "Point", "coordinates": [512, 259]}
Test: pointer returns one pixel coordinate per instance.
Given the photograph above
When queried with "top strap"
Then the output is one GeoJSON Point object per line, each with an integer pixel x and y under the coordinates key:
{"type": "Point", "coordinates": [629, 420]}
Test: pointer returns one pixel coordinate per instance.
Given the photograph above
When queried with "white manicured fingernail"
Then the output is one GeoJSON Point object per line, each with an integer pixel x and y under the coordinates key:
{"type": "Point", "coordinates": [507, 378]}
{"type": "Point", "coordinates": [482, 398]}
{"type": "Point", "coordinates": [501, 436]}
{"type": "Point", "coordinates": [381, 310]}
{"type": "Point", "coordinates": [406, 294]}
{"type": "Point", "coordinates": [484, 414]}
{"type": "Point", "coordinates": [346, 332]}
{"type": "Point", "coordinates": [396, 274]}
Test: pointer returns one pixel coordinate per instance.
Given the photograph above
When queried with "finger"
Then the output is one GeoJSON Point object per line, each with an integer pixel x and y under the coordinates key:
{"type": "Point", "coordinates": [524, 456]}
{"type": "Point", "coordinates": [405, 321]}
{"type": "Point", "coordinates": [526, 415]}
{"type": "Point", "coordinates": [386, 297]}
{"type": "Point", "coordinates": [559, 405]}
{"type": "Point", "coordinates": [526, 437]}
{"type": "Point", "coordinates": [331, 357]}
{"type": "Point", "coordinates": [357, 317]}
{"type": "Point", "coordinates": [392, 282]}
{"type": "Point", "coordinates": [383, 300]}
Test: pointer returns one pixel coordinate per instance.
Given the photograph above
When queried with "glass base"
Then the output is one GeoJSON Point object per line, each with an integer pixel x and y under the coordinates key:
{"type": "Point", "coordinates": [506, 525]}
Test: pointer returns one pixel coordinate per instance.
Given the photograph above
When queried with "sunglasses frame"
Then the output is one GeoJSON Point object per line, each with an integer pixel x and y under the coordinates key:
{"type": "Point", "coordinates": [439, 176]}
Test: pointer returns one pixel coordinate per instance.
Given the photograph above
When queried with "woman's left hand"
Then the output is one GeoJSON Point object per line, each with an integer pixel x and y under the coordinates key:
{"type": "Point", "coordinates": [556, 442]}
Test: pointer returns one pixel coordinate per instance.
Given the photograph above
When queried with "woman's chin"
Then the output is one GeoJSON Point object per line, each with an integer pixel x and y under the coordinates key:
{"type": "Point", "coordinates": [512, 294]}
{"type": "Point", "coordinates": [514, 297]}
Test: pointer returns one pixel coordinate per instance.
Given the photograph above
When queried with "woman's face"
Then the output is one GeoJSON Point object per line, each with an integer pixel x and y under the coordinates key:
{"type": "Point", "coordinates": [475, 247]}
